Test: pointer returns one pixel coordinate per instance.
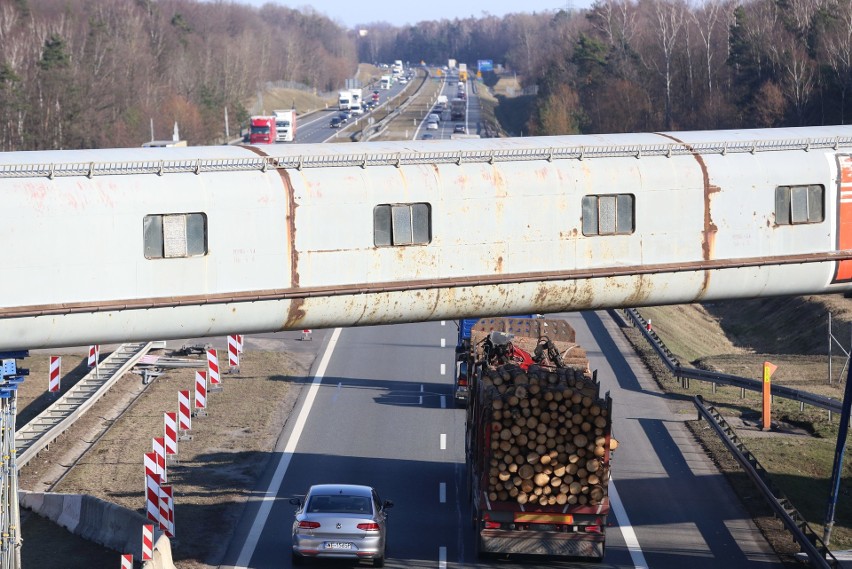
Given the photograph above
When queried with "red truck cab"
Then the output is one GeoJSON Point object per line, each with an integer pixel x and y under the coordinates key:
{"type": "Point", "coordinates": [262, 130]}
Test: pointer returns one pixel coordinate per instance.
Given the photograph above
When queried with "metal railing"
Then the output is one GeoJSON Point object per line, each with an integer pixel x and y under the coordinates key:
{"type": "Point", "coordinates": [674, 366]}
{"type": "Point", "coordinates": [809, 542]}
{"type": "Point", "coordinates": [37, 434]}
{"type": "Point", "coordinates": [490, 156]}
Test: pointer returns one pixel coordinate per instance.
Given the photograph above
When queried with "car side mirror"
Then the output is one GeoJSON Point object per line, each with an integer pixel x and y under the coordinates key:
{"type": "Point", "coordinates": [296, 501]}
{"type": "Point", "coordinates": [387, 504]}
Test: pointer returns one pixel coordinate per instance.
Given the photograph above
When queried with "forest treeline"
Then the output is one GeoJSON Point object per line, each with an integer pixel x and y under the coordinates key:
{"type": "Point", "coordinates": [94, 73]}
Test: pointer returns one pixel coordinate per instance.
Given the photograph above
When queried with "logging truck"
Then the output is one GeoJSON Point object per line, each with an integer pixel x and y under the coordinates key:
{"type": "Point", "coordinates": [538, 441]}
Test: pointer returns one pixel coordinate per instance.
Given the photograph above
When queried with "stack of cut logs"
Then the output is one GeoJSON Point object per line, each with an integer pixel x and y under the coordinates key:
{"type": "Point", "coordinates": [550, 436]}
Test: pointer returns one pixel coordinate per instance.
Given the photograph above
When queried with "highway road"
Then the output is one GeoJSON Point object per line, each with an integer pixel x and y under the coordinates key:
{"type": "Point", "coordinates": [471, 122]}
{"type": "Point", "coordinates": [378, 411]}
{"type": "Point", "coordinates": [314, 127]}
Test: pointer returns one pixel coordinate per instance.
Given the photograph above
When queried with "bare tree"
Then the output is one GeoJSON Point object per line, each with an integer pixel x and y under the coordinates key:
{"type": "Point", "coordinates": [666, 20]}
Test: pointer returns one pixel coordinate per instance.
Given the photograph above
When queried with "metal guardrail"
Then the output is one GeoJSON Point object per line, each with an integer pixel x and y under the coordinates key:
{"type": "Point", "coordinates": [199, 166]}
{"type": "Point", "coordinates": [671, 362]}
{"type": "Point", "coordinates": [808, 540]}
{"type": "Point", "coordinates": [37, 434]}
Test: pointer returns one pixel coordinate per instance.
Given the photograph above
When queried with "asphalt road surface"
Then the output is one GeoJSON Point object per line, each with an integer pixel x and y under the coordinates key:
{"type": "Point", "coordinates": [315, 128]}
{"type": "Point", "coordinates": [378, 411]}
{"type": "Point", "coordinates": [471, 121]}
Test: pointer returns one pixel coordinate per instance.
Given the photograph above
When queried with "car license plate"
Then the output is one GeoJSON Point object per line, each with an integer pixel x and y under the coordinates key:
{"type": "Point", "coordinates": [337, 545]}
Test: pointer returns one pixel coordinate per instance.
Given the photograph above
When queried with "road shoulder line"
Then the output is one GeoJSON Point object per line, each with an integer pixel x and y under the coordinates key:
{"type": "Point", "coordinates": [271, 493]}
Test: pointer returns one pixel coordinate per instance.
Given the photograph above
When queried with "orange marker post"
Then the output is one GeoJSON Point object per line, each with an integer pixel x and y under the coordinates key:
{"type": "Point", "coordinates": [768, 370]}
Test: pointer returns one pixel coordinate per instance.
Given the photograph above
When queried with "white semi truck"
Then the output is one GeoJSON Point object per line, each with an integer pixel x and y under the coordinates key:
{"type": "Point", "coordinates": [344, 100]}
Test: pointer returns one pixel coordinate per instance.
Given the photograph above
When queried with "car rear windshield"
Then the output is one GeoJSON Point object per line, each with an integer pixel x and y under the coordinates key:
{"type": "Point", "coordinates": [338, 503]}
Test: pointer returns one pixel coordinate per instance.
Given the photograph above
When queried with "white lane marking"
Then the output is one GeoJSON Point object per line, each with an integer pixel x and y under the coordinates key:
{"type": "Point", "coordinates": [284, 462]}
{"type": "Point", "coordinates": [443, 322]}
{"type": "Point", "coordinates": [442, 492]}
{"type": "Point", "coordinates": [443, 401]}
{"type": "Point", "coordinates": [337, 392]}
{"type": "Point", "coordinates": [421, 394]}
{"type": "Point", "coordinates": [443, 369]}
{"type": "Point", "coordinates": [443, 342]}
{"type": "Point", "coordinates": [442, 557]}
{"type": "Point", "coordinates": [630, 539]}
{"type": "Point", "coordinates": [443, 441]}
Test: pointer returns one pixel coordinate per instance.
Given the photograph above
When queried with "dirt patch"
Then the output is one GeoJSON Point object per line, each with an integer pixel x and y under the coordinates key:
{"type": "Point", "coordinates": [217, 469]}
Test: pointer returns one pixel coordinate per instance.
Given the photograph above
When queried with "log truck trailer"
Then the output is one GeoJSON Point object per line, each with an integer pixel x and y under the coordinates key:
{"type": "Point", "coordinates": [538, 442]}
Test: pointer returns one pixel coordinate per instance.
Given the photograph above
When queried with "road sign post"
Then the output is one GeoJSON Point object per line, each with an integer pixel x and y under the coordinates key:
{"type": "Point", "coordinates": [768, 370]}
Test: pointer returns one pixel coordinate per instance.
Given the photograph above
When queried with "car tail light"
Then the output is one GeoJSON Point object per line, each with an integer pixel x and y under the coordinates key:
{"type": "Point", "coordinates": [368, 527]}
{"type": "Point", "coordinates": [309, 525]}
{"type": "Point", "coordinates": [593, 529]}
{"type": "Point", "coordinates": [462, 380]}
{"type": "Point", "coordinates": [492, 525]}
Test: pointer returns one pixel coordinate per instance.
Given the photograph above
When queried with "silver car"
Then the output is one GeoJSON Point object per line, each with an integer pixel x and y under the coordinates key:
{"type": "Point", "coordinates": [342, 521]}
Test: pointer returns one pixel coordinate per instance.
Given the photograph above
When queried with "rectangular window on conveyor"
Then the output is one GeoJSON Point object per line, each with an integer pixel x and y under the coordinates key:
{"type": "Point", "coordinates": [795, 205]}
{"type": "Point", "coordinates": [402, 224]}
{"type": "Point", "coordinates": [609, 215]}
{"type": "Point", "coordinates": [175, 235]}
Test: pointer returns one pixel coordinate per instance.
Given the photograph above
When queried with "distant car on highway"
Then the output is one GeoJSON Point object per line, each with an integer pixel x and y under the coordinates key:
{"type": "Point", "coordinates": [432, 125]}
{"type": "Point", "coordinates": [335, 122]}
{"type": "Point", "coordinates": [344, 116]}
{"type": "Point", "coordinates": [434, 117]}
{"type": "Point", "coordinates": [428, 136]}
{"type": "Point", "coordinates": [340, 521]}
{"type": "Point", "coordinates": [459, 129]}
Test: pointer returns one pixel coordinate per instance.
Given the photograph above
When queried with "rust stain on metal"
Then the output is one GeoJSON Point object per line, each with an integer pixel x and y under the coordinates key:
{"type": "Point", "coordinates": [708, 242]}
{"type": "Point", "coordinates": [583, 281]}
{"type": "Point", "coordinates": [499, 268]}
{"type": "Point", "coordinates": [295, 313]}
{"type": "Point", "coordinates": [640, 290]}
{"type": "Point", "coordinates": [494, 177]}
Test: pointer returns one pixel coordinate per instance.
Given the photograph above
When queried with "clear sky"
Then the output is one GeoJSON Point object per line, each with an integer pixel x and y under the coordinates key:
{"type": "Point", "coordinates": [401, 12]}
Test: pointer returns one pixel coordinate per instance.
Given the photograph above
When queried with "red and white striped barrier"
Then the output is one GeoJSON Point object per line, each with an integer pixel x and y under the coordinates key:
{"type": "Point", "coordinates": [170, 432]}
{"type": "Point", "coordinates": [201, 390]}
{"type": "Point", "coordinates": [53, 377]}
{"type": "Point", "coordinates": [126, 561]}
{"type": "Point", "coordinates": [160, 450]}
{"type": "Point", "coordinates": [239, 343]}
{"type": "Point", "coordinates": [147, 542]}
{"type": "Point", "coordinates": [213, 366]}
{"type": "Point", "coordinates": [151, 464]}
{"type": "Point", "coordinates": [233, 352]}
{"type": "Point", "coordinates": [94, 355]}
{"type": "Point", "coordinates": [167, 510]}
{"type": "Point", "coordinates": [152, 497]}
{"type": "Point", "coordinates": [184, 412]}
